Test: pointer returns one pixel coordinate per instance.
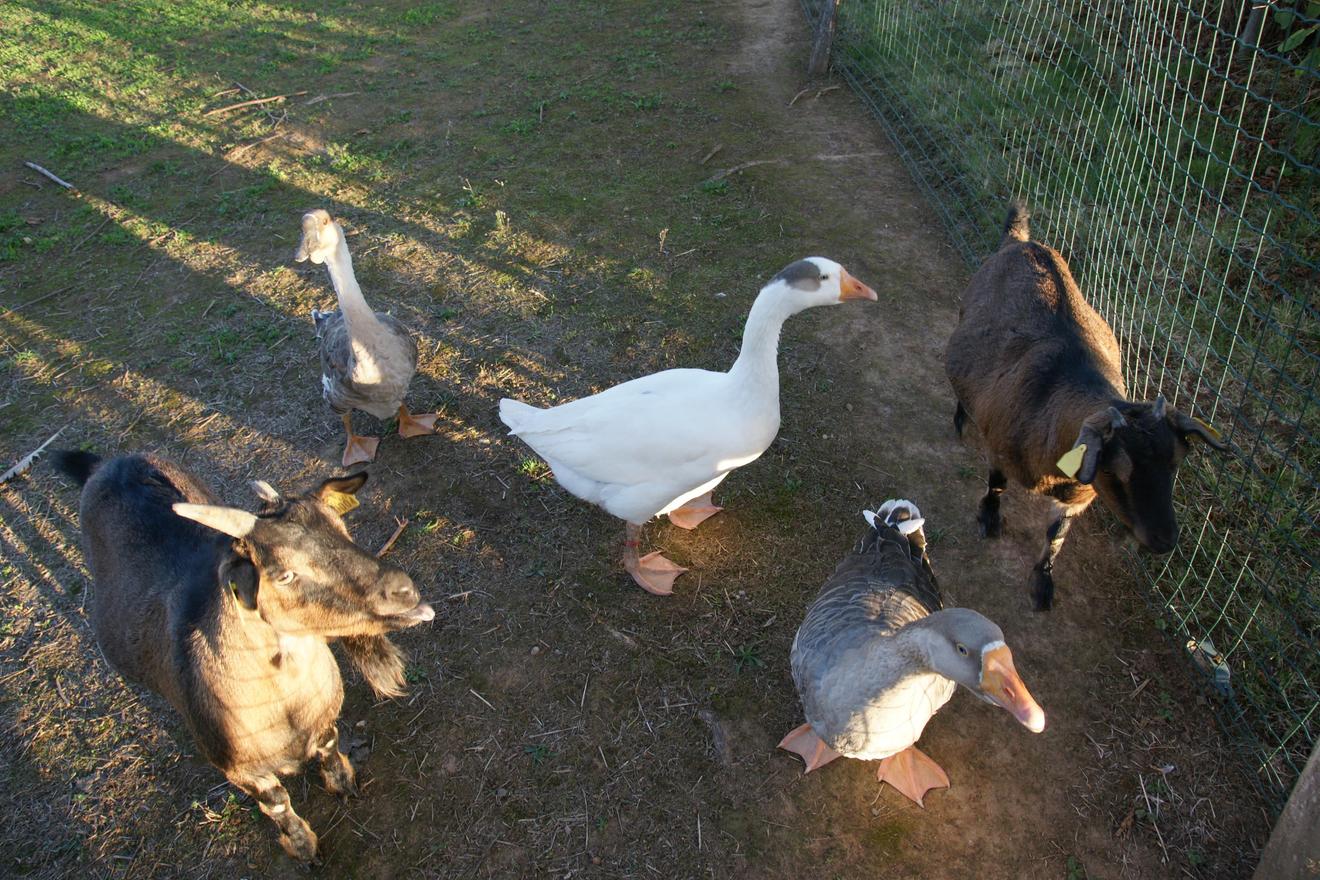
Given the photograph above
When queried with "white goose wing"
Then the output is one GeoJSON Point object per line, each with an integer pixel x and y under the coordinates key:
{"type": "Point", "coordinates": [637, 446]}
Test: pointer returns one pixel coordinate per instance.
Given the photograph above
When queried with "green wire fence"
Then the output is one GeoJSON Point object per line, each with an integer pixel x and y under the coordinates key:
{"type": "Point", "coordinates": [1169, 150]}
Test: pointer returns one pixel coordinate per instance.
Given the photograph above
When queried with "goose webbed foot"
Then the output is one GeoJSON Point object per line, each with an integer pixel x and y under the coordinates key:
{"type": "Point", "coordinates": [652, 572]}
{"type": "Point", "coordinates": [357, 449]}
{"type": "Point", "coordinates": [415, 426]}
{"type": "Point", "coordinates": [694, 512]}
{"type": "Point", "coordinates": [913, 773]}
{"type": "Point", "coordinates": [803, 741]}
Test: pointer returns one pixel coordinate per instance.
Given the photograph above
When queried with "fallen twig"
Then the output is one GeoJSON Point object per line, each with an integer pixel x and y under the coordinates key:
{"type": "Point", "coordinates": [727, 172]}
{"type": "Point", "coordinates": [319, 98]}
{"type": "Point", "coordinates": [843, 157]}
{"type": "Point", "coordinates": [238, 151]}
{"type": "Point", "coordinates": [33, 302]}
{"type": "Point", "coordinates": [713, 150]}
{"type": "Point", "coordinates": [819, 157]}
{"type": "Point", "coordinates": [252, 103]}
{"type": "Point", "coordinates": [89, 237]}
{"type": "Point", "coordinates": [819, 92]}
{"type": "Point", "coordinates": [385, 548]}
{"type": "Point", "coordinates": [26, 461]}
{"type": "Point", "coordinates": [42, 171]}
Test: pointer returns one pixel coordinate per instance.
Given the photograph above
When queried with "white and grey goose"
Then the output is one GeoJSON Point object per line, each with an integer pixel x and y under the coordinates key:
{"type": "Point", "coordinates": [661, 443]}
{"type": "Point", "coordinates": [878, 655]}
{"type": "Point", "coordinates": [367, 358]}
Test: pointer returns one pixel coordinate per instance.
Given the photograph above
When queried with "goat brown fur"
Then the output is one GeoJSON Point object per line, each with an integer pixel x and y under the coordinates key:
{"type": "Point", "coordinates": [1038, 371]}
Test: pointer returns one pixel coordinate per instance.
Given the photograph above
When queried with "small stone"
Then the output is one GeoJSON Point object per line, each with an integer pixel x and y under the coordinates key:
{"type": "Point", "coordinates": [536, 649]}
{"type": "Point", "coordinates": [450, 764]}
{"type": "Point", "coordinates": [848, 407]}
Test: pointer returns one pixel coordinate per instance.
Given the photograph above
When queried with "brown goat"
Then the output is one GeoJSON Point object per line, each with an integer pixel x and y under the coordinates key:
{"type": "Point", "coordinates": [1037, 370]}
{"type": "Point", "coordinates": [227, 615]}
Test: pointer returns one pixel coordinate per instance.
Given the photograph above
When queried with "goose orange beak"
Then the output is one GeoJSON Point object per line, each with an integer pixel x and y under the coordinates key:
{"type": "Point", "coordinates": [851, 288]}
{"type": "Point", "coordinates": [1002, 686]}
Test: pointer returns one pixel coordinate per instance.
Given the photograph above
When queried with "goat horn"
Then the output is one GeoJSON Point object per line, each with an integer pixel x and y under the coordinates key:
{"type": "Point", "coordinates": [265, 491]}
{"type": "Point", "coordinates": [230, 520]}
{"type": "Point", "coordinates": [1159, 406]}
{"type": "Point", "coordinates": [1116, 419]}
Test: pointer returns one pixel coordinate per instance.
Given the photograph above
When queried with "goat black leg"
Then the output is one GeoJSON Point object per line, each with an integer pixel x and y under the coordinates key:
{"type": "Point", "coordinates": [988, 515]}
{"type": "Point", "coordinates": [1042, 576]}
{"type": "Point", "coordinates": [296, 836]}
{"type": "Point", "coordinates": [336, 771]}
{"type": "Point", "coordinates": [959, 418]}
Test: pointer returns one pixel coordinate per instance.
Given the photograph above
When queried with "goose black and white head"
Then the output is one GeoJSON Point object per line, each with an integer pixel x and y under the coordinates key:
{"type": "Point", "coordinates": [816, 281]}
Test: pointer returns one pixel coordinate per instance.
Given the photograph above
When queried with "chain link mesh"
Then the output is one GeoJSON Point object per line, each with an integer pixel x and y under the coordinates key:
{"type": "Point", "coordinates": [1169, 150]}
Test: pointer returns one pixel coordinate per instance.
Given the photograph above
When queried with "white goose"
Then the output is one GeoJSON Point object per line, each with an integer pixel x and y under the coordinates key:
{"type": "Point", "coordinates": [661, 443]}
{"type": "Point", "coordinates": [367, 358]}
{"type": "Point", "coordinates": [878, 655]}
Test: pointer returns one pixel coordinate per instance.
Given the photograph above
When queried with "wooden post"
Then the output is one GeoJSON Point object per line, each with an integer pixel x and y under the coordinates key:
{"type": "Point", "coordinates": [820, 50]}
{"type": "Point", "coordinates": [1293, 852]}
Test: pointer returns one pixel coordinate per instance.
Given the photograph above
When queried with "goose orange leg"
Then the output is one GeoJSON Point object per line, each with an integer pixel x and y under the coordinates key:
{"type": "Point", "coordinates": [653, 572]}
{"type": "Point", "coordinates": [415, 426]}
{"type": "Point", "coordinates": [804, 742]}
{"type": "Point", "coordinates": [913, 773]}
{"type": "Point", "coordinates": [358, 449]}
{"type": "Point", "coordinates": [694, 512]}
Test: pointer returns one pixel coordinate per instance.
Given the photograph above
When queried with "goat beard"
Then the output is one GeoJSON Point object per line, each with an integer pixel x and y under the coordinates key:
{"type": "Point", "coordinates": [379, 660]}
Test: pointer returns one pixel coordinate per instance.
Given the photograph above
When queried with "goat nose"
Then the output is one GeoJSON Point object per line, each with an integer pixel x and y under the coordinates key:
{"type": "Point", "coordinates": [398, 587]}
{"type": "Point", "coordinates": [1161, 542]}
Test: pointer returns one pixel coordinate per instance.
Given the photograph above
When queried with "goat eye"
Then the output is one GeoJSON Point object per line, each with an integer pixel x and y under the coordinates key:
{"type": "Point", "coordinates": [285, 579]}
{"type": "Point", "coordinates": [962, 649]}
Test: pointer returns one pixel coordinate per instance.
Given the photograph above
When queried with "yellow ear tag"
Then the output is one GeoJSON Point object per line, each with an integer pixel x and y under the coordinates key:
{"type": "Point", "coordinates": [340, 502]}
{"type": "Point", "coordinates": [1209, 430]}
{"type": "Point", "coordinates": [1072, 460]}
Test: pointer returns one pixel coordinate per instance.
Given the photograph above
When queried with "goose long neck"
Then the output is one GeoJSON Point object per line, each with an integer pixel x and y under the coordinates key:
{"type": "Point", "coordinates": [757, 364]}
{"type": "Point", "coordinates": [357, 314]}
{"type": "Point", "coordinates": [916, 640]}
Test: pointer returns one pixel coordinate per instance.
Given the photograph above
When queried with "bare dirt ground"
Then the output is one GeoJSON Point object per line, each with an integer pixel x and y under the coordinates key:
{"type": "Point", "coordinates": [561, 723]}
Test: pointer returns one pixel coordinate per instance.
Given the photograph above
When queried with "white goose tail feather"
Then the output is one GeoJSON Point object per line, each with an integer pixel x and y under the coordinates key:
{"type": "Point", "coordinates": [897, 513]}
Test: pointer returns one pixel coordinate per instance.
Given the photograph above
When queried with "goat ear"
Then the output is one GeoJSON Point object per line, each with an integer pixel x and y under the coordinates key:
{"type": "Point", "coordinates": [1082, 461]}
{"type": "Point", "coordinates": [337, 492]}
{"type": "Point", "coordinates": [1186, 426]}
{"type": "Point", "coordinates": [230, 520]}
{"type": "Point", "coordinates": [239, 576]}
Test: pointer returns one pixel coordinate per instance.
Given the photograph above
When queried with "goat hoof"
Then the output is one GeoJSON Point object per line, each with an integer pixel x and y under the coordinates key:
{"type": "Point", "coordinates": [301, 844]}
{"type": "Point", "coordinates": [1042, 590]}
{"type": "Point", "coordinates": [991, 527]}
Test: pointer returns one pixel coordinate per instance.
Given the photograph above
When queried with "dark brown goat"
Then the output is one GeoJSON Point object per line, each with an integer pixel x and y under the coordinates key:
{"type": "Point", "coordinates": [227, 615]}
{"type": "Point", "coordinates": [1037, 370]}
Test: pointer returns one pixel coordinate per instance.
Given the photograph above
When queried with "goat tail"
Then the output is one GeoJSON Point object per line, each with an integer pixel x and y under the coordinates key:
{"type": "Point", "coordinates": [379, 660]}
{"type": "Point", "coordinates": [75, 464]}
{"type": "Point", "coordinates": [1016, 225]}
